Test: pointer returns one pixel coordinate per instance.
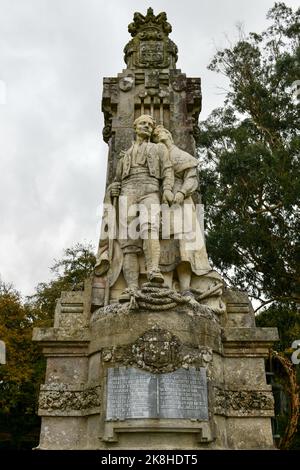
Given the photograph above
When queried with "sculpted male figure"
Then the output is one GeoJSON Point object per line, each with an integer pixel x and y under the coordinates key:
{"type": "Point", "coordinates": [143, 173]}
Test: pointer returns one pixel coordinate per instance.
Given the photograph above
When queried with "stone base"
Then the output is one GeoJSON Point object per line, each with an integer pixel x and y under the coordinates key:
{"type": "Point", "coordinates": [231, 350]}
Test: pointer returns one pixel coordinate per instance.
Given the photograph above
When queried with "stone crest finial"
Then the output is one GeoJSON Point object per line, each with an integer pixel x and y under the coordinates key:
{"type": "Point", "coordinates": [142, 24]}
{"type": "Point", "coordinates": [150, 46]}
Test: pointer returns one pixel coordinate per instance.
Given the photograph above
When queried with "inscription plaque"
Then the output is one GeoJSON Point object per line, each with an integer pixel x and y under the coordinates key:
{"type": "Point", "coordinates": [132, 394]}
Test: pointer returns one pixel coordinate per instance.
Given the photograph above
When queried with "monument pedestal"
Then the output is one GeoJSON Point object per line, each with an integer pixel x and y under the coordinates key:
{"type": "Point", "coordinates": [181, 379]}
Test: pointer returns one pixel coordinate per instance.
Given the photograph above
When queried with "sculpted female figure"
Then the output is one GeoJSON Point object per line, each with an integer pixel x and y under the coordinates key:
{"type": "Point", "coordinates": [192, 256]}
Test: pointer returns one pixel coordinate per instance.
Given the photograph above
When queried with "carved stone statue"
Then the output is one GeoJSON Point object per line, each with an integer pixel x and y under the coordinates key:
{"type": "Point", "coordinates": [154, 184]}
{"type": "Point", "coordinates": [142, 171]}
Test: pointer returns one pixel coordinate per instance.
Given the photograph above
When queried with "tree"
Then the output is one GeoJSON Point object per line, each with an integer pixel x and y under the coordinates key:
{"type": "Point", "coordinates": [23, 372]}
{"type": "Point", "coordinates": [249, 152]}
{"type": "Point", "coordinates": [286, 319]}
{"type": "Point", "coordinates": [70, 273]}
{"type": "Point", "coordinates": [285, 377]}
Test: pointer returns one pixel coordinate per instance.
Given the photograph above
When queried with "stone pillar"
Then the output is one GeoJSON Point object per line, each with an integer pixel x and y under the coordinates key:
{"type": "Point", "coordinates": [150, 84]}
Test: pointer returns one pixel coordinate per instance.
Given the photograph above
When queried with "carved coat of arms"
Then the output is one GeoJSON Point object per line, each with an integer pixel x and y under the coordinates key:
{"type": "Point", "coordinates": [151, 52]}
{"type": "Point", "coordinates": [157, 349]}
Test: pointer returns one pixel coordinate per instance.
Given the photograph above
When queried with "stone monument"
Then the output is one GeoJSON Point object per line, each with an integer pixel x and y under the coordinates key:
{"type": "Point", "coordinates": [155, 352]}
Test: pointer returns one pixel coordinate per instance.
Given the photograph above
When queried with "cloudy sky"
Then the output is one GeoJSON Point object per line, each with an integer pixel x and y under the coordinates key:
{"type": "Point", "coordinates": [53, 57]}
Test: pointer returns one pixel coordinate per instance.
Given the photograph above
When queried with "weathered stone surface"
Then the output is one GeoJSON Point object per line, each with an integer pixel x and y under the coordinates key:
{"type": "Point", "coordinates": [71, 370]}
{"type": "Point", "coordinates": [65, 400]}
{"type": "Point", "coordinates": [63, 432]}
{"type": "Point", "coordinates": [244, 402]}
{"type": "Point", "coordinates": [158, 351]}
{"type": "Point", "coordinates": [251, 342]}
{"type": "Point", "coordinates": [249, 433]}
{"type": "Point", "coordinates": [120, 326]}
{"type": "Point", "coordinates": [241, 372]}
{"type": "Point", "coordinates": [188, 435]}
{"type": "Point", "coordinates": [239, 312]}
{"type": "Point", "coordinates": [61, 334]}
{"type": "Point", "coordinates": [250, 334]}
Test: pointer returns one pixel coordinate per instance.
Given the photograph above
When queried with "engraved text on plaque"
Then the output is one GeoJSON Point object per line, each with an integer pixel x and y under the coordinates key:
{"type": "Point", "coordinates": [132, 394]}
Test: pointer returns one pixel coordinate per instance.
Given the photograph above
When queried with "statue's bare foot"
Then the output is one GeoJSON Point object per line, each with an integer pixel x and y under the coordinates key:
{"type": "Point", "coordinates": [156, 276]}
{"type": "Point", "coordinates": [187, 293]}
{"type": "Point", "coordinates": [190, 297]}
{"type": "Point", "coordinates": [127, 294]}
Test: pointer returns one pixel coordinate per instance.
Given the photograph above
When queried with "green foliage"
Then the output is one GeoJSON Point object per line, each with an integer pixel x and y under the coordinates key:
{"type": "Point", "coordinates": [287, 319]}
{"type": "Point", "coordinates": [250, 180]}
{"type": "Point", "coordinates": [250, 174]}
{"type": "Point", "coordinates": [70, 273]}
{"type": "Point", "coordinates": [24, 369]}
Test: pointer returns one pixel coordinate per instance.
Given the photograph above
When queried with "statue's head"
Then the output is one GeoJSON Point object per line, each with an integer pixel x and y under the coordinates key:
{"type": "Point", "coordinates": [144, 125]}
{"type": "Point", "coordinates": [161, 134]}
